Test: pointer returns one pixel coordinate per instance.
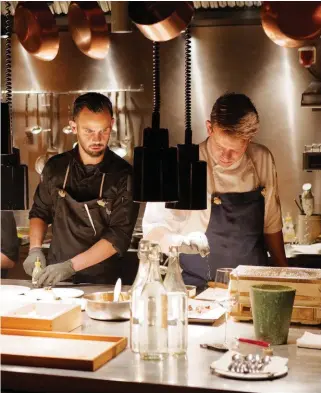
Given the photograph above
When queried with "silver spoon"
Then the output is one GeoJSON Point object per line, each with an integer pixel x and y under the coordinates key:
{"type": "Point", "coordinates": [117, 290]}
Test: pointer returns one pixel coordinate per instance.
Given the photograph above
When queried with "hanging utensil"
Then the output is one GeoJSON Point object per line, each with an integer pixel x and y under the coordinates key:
{"type": "Point", "coordinates": [114, 144]}
{"type": "Point", "coordinates": [36, 29]}
{"type": "Point", "coordinates": [125, 142]}
{"type": "Point", "coordinates": [291, 24]}
{"type": "Point", "coordinates": [89, 30]}
{"type": "Point", "coordinates": [161, 20]}
{"type": "Point", "coordinates": [67, 129]}
{"type": "Point", "coordinates": [52, 149]}
{"type": "Point", "coordinates": [28, 129]}
{"type": "Point", "coordinates": [37, 129]}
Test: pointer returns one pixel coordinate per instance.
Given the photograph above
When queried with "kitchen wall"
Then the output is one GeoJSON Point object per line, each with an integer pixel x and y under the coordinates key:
{"type": "Point", "coordinates": [236, 58]}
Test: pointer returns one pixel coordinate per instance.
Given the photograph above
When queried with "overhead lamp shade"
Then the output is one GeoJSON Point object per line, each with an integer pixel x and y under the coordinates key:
{"type": "Point", "coordinates": [192, 180]}
{"type": "Point", "coordinates": [155, 168]}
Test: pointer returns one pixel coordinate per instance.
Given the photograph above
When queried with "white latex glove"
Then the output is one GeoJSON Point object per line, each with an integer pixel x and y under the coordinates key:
{"type": "Point", "coordinates": [198, 241]}
{"type": "Point", "coordinates": [193, 243]}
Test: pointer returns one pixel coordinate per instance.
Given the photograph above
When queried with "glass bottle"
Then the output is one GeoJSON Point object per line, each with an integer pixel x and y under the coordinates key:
{"type": "Point", "coordinates": [177, 305]}
{"type": "Point", "coordinates": [136, 291]}
{"type": "Point", "coordinates": [153, 323]}
{"type": "Point", "coordinates": [36, 271]}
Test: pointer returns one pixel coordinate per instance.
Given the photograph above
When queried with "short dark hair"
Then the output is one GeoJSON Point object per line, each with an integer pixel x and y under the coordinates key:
{"type": "Point", "coordinates": [235, 114]}
{"type": "Point", "coordinates": [95, 102]}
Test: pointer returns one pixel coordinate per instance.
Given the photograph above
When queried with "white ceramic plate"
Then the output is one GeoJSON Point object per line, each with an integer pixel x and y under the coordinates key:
{"type": "Point", "coordinates": [62, 293]}
{"type": "Point", "coordinates": [200, 311]}
{"type": "Point", "coordinates": [13, 290]}
{"type": "Point", "coordinates": [254, 377]}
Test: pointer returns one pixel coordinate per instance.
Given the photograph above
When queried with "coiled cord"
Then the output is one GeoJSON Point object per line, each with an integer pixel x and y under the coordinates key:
{"type": "Point", "coordinates": [188, 88]}
{"type": "Point", "coordinates": [8, 65]}
{"type": "Point", "coordinates": [156, 86]}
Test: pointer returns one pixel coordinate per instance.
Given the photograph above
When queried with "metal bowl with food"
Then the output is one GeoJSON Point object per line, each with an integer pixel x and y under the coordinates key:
{"type": "Point", "coordinates": [100, 305]}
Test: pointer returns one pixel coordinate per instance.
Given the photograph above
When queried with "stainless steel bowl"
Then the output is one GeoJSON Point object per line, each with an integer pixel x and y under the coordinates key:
{"type": "Point", "coordinates": [100, 305]}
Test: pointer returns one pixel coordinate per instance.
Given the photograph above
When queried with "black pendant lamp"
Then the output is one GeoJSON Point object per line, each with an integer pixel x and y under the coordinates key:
{"type": "Point", "coordinates": [155, 163]}
{"type": "Point", "coordinates": [192, 172]}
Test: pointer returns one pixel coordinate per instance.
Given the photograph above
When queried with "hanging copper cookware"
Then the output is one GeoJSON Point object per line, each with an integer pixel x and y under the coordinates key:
{"type": "Point", "coordinates": [36, 29]}
{"type": "Point", "coordinates": [88, 27]}
{"type": "Point", "coordinates": [291, 24]}
{"type": "Point", "coordinates": [161, 20]}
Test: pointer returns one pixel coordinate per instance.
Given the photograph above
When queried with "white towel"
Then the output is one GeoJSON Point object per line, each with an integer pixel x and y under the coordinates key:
{"type": "Point", "coordinates": [309, 340]}
{"type": "Point", "coordinates": [308, 249]}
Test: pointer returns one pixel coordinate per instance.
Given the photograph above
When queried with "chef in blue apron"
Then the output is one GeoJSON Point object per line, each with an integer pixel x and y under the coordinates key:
{"type": "Point", "coordinates": [243, 217]}
{"type": "Point", "coordinates": [86, 195]}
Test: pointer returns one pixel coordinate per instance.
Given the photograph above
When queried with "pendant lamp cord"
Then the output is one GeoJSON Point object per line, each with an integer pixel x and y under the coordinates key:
{"type": "Point", "coordinates": [156, 87]}
{"type": "Point", "coordinates": [8, 66]}
{"type": "Point", "coordinates": [188, 88]}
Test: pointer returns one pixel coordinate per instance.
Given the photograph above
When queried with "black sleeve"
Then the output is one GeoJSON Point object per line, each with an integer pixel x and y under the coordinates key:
{"type": "Point", "coordinates": [42, 201]}
{"type": "Point", "coordinates": [123, 217]}
{"type": "Point", "coordinates": [9, 239]}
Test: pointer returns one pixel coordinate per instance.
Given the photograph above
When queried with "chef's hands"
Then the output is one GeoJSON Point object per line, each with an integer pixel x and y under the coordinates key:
{"type": "Point", "coordinates": [193, 243]}
{"type": "Point", "coordinates": [29, 262]}
{"type": "Point", "coordinates": [53, 274]}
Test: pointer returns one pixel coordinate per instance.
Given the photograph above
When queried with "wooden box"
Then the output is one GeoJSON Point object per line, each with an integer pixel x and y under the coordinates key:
{"type": "Point", "coordinates": [58, 350]}
{"type": "Point", "coordinates": [43, 316]}
{"type": "Point", "coordinates": [307, 282]}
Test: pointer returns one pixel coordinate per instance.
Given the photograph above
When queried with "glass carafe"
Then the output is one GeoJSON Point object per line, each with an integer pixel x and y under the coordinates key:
{"type": "Point", "coordinates": [177, 306]}
{"type": "Point", "coordinates": [153, 323]}
{"type": "Point", "coordinates": [136, 308]}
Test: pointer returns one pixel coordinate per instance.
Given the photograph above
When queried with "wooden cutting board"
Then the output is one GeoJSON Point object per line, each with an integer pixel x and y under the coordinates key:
{"type": "Point", "coordinates": [58, 350]}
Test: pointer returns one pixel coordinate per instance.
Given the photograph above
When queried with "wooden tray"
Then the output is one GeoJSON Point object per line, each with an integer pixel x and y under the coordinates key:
{"type": "Point", "coordinates": [43, 316]}
{"type": "Point", "coordinates": [58, 350]}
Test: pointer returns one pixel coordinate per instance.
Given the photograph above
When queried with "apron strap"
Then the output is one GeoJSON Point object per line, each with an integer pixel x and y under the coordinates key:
{"type": "Point", "coordinates": [101, 186]}
{"type": "Point", "coordinates": [62, 192]}
{"type": "Point", "coordinates": [66, 177]}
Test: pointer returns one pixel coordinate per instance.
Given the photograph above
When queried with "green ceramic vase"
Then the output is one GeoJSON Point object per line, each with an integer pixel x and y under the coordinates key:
{"type": "Point", "coordinates": [272, 307]}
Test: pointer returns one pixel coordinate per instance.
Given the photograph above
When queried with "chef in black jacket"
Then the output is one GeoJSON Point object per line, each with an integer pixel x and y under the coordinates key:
{"type": "Point", "coordinates": [86, 195]}
{"type": "Point", "coordinates": [9, 242]}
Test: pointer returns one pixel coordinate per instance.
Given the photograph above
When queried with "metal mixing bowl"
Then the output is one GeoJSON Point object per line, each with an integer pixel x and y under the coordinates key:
{"type": "Point", "coordinates": [100, 305]}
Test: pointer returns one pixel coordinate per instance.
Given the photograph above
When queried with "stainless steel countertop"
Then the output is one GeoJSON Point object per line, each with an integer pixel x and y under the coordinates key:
{"type": "Point", "coordinates": [123, 373]}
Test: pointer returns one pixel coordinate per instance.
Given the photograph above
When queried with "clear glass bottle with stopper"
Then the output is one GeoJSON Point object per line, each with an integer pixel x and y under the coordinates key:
{"type": "Point", "coordinates": [153, 339]}
{"type": "Point", "coordinates": [136, 308]}
{"type": "Point", "coordinates": [177, 305]}
{"type": "Point", "coordinates": [36, 271]}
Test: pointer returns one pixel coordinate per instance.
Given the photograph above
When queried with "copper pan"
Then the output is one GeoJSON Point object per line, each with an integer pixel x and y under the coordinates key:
{"type": "Point", "coordinates": [161, 20]}
{"type": "Point", "coordinates": [88, 27]}
{"type": "Point", "coordinates": [36, 29]}
{"type": "Point", "coordinates": [291, 24]}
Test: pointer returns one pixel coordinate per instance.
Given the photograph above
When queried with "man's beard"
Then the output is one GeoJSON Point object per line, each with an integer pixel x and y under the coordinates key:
{"type": "Point", "coordinates": [92, 153]}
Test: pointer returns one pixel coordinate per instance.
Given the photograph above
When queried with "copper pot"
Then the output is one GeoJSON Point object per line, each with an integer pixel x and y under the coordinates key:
{"type": "Point", "coordinates": [36, 29]}
{"type": "Point", "coordinates": [88, 27]}
{"type": "Point", "coordinates": [291, 24]}
{"type": "Point", "coordinates": [161, 20]}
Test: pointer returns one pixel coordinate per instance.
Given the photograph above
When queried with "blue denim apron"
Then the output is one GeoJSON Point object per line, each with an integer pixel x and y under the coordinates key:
{"type": "Point", "coordinates": [235, 234]}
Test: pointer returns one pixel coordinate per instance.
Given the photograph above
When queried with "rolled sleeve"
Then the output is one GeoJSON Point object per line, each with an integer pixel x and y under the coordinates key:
{"type": "Point", "coordinates": [165, 225]}
{"type": "Point", "coordinates": [273, 213]}
{"type": "Point", "coordinates": [123, 217]}
{"type": "Point", "coordinates": [43, 204]}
